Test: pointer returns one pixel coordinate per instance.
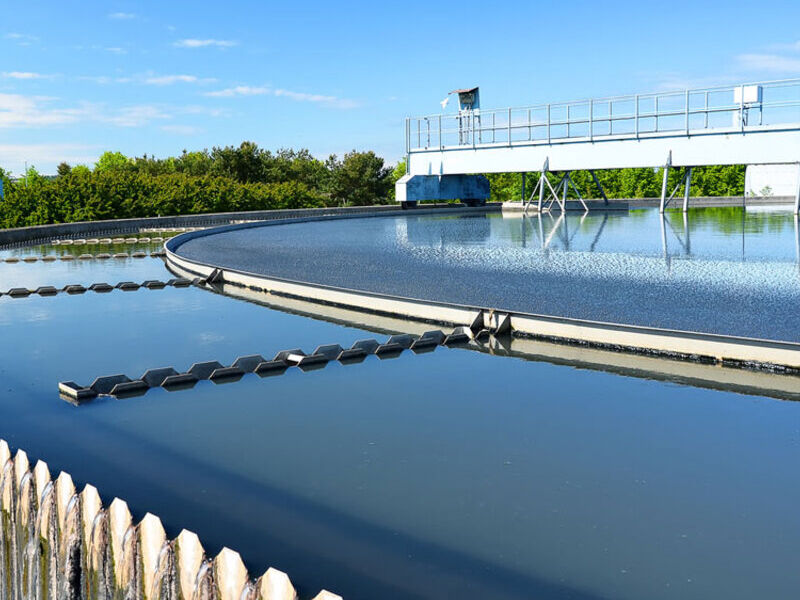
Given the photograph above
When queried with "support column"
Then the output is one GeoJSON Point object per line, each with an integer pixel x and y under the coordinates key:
{"type": "Point", "coordinates": [541, 189]}
{"type": "Point", "coordinates": [664, 184]}
{"type": "Point", "coordinates": [687, 186]}
{"type": "Point", "coordinates": [600, 187]}
{"type": "Point", "coordinates": [523, 187]}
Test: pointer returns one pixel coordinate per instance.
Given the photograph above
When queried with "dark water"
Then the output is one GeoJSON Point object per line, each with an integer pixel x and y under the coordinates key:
{"type": "Point", "coordinates": [722, 270]}
{"type": "Point", "coordinates": [452, 474]}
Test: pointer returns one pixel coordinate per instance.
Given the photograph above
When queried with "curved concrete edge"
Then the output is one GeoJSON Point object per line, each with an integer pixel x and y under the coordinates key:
{"type": "Point", "coordinates": [46, 233]}
{"type": "Point", "coordinates": [77, 548]}
{"type": "Point", "coordinates": [772, 355]}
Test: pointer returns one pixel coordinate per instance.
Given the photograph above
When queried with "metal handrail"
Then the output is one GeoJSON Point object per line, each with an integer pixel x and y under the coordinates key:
{"type": "Point", "coordinates": [477, 127]}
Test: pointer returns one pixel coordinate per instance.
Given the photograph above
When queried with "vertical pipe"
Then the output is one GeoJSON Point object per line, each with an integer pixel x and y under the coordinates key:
{"type": "Point", "coordinates": [687, 112]}
{"type": "Point", "coordinates": [635, 115]}
{"type": "Point", "coordinates": [530, 135]}
{"type": "Point", "coordinates": [440, 132]}
{"type": "Point", "coordinates": [567, 120]}
{"type": "Point", "coordinates": [419, 134]}
{"type": "Point", "coordinates": [705, 123]}
{"type": "Point", "coordinates": [548, 123]}
{"type": "Point", "coordinates": [687, 186]}
{"type": "Point", "coordinates": [509, 126]}
{"type": "Point", "coordinates": [664, 189]}
{"type": "Point", "coordinates": [656, 112]}
{"type": "Point", "coordinates": [610, 117]}
{"type": "Point", "coordinates": [591, 120]}
{"type": "Point", "coordinates": [428, 128]}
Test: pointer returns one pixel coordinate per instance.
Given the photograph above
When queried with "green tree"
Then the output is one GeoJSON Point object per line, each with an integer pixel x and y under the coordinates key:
{"type": "Point", "coordinates": [360, 179]}
{"type": "Point", "coordinates": [245, 164]}
{"type": "Point", "coordinates": [112, 161]}
{"type": "Point", "coordinates": [63, 169]}
{"type": "Point", "coordinates": [80, 170]}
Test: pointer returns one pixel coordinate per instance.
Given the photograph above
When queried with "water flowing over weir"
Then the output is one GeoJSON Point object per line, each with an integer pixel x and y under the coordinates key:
{"type": "Point", "coordinates": [60, 544]}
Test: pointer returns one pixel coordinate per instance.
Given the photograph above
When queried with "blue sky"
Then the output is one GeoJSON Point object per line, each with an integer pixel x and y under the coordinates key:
{"type": "Point", "coordinates": [78, 78]}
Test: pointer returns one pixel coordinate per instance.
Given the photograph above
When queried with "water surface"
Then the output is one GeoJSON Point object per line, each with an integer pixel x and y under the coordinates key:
{"type": "Point", "coordinates": [721, 270]}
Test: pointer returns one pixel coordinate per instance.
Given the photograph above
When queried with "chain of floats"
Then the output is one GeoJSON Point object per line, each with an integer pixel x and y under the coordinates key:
{"type": "Point", "coordinates": [103, 288]}
{"type": "Point", "coordinates": [170, 379]}
{"type": "Point", "coordinates": [57, 542]}
{"type": "Point", "coordinates": [100, 256]}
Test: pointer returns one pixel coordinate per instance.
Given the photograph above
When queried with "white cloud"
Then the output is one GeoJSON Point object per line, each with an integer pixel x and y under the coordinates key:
{"type": "Point", "coordinates": [116, 50]}
{"type": "Point", "coordinates": [45, 156]}
{"type": "Point", "coordinates": [333, 101]}
{"type": "Point", "coordinates": [37, 111]}
{"type": "Point", "coordinates": [22, 39]}
{"type": "Point", "coordinates": [33, 111]}
{"type": "Point", "coordinates": [133, 116]}
{"type": "Point", "coordinates": [170, 79]}
{"type": "Point", "coordinates": [773, 63]}
{"type": "Point", "coordinates": [239, 90]}
{"type": "Point", "coordinates": [196, 43]}
{"type": "Point", "coordinates": [181, 129]}
{"type": "Point", "coordinates": [25, 75]}
{"type": "Point", "coordinates": [246, 90]}
{"type": "Point", "coordinates": [791, 47]}
{"type": "Point", "coordinates": [121, 16]}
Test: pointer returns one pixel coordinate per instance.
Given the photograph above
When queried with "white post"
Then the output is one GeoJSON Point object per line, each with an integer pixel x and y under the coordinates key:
{"type": "Point", "coordinates": [687, 186]}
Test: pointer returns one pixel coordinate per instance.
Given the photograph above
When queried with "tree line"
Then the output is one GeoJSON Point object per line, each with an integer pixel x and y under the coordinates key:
{"type": "Point", "coordinates": [246, 177]}
{"type": "Point", "coordinates": [221, 180]}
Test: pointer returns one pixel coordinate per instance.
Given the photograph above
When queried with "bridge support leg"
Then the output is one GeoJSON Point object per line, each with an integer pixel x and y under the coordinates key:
{"type": "Point", "coordinates": [687, 186]}
{"type": "Point", "coordinates": [600, 187]}
{"type": "Point", "coordinates": [664, 184]}
{"type": "Point", "coordinates": [523, 188]}
{"type": "Point", "coordinates": [542, 181]}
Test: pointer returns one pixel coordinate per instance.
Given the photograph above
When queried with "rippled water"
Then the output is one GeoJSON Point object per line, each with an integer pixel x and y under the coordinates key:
{"type": "Point", "coordinates": [719, 269]}
{"type": "Point", "coordinates": [451, 474]}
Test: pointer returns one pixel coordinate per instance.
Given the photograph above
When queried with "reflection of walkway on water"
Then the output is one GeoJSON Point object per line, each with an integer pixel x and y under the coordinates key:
{"type": "Point", "coordinates": [556, 227]}
{"type": "Point", "coordinates": [685, 240]}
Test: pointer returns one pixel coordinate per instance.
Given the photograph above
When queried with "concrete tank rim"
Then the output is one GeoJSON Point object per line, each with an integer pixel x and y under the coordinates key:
{"type": "Point", "coordinates": [173, 256]}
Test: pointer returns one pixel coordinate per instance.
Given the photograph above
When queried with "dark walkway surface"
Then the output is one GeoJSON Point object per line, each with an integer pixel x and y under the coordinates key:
{"type": "Point", "coordinates": [723, 271]}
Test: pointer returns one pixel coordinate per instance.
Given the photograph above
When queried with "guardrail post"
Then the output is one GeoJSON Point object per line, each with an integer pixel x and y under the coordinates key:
{"type": "Point", "coordinates": [530, 133]}
{"type": "Point", "coordinates": [687, 112]}
{"type": "Point", "coordinates": [591, 120]}
{"type": "Point", "coordinates": [548, 123]}
{"type": "Point", "coordinates": [636, 116]}
{"type": "Point", "coordinates": [509, 126]}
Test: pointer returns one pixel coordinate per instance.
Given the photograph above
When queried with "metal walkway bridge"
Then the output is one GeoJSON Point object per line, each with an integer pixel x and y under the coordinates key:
{"type": "Point", "coordinates": [748, 124]}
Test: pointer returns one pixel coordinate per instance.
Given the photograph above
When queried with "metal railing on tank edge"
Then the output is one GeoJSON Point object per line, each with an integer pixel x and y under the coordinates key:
{"type": "Point", "coordinates": [774, 104]}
